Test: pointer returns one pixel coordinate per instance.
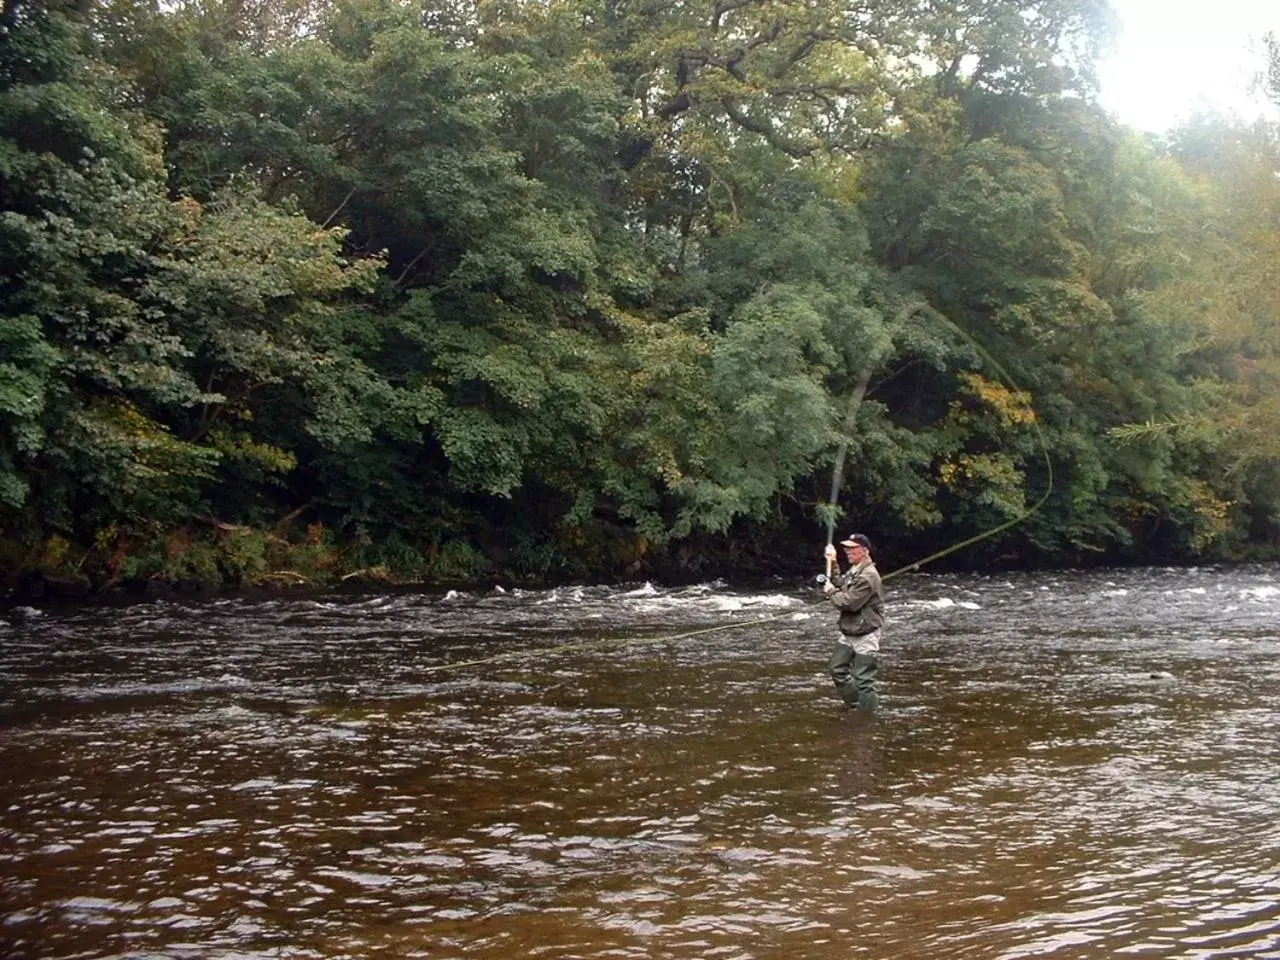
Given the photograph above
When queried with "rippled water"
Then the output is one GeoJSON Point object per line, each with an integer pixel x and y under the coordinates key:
{"type": "Point", "coordinates": [1069, 765]}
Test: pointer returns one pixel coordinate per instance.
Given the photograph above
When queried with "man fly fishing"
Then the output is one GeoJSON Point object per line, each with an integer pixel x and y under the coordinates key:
{"type": "Point", "coordinates": [859, 596]}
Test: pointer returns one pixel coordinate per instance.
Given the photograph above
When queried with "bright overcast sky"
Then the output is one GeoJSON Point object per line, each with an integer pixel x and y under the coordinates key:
{"type": "Point", "coordinates": [1172, 56]}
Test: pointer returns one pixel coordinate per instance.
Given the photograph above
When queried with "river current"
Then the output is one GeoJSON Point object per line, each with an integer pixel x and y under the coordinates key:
{"type": "Point", "coordinates": [1072, 764]}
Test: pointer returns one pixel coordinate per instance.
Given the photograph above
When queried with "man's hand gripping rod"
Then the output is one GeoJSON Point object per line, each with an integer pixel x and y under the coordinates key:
{"type": "Point", "coordinates": [831, 560]}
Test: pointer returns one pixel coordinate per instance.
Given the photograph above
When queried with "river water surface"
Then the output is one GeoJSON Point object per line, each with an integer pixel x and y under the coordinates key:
{"type": "Point", "coordinates": [1064, 765]}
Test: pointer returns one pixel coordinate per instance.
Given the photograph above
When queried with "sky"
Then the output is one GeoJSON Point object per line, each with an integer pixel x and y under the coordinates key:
{"type": "Point", "coordinates": [1173, 56]}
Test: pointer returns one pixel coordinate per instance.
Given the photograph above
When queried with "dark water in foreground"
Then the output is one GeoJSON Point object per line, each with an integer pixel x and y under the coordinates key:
{"type": "Point", "coordinates": [1066, 765]}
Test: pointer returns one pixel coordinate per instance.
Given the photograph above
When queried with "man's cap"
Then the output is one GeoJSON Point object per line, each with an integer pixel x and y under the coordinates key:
{"type": "Point", "coordinates": [858, 538]}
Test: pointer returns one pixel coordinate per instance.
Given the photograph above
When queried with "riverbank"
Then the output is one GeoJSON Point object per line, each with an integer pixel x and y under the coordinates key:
{"type": "Point", "coordinates": [219, 557]}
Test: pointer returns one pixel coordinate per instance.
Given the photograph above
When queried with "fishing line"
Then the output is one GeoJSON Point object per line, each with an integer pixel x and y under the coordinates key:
{"type": "Point", "coordinates": [837, 473]}
{"type": "Point", "coordinates": [1035, 423]}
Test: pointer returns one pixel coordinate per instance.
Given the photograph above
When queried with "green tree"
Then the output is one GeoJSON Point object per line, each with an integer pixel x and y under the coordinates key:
{"type": "Point", "coordinates": [137, 326]}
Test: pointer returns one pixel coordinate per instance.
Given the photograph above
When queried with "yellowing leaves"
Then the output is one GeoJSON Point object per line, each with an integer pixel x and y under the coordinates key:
{"type": "Point", "coordinates": [991, 479]}
{"type": "Point", "coordinates": [1212, 514]}
{"type": "Point", "coordinates": [249, 252]}
{"type": "Point", "coordinates": [241, 447]}
{"type": "Point", "coordinates": [140, 445]}
{"type": "Point", "coordinates": [1010, 408]}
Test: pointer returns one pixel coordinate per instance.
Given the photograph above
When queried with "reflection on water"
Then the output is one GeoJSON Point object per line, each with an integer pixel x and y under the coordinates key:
{"type": "Point", "coordinates": [1074, 765]}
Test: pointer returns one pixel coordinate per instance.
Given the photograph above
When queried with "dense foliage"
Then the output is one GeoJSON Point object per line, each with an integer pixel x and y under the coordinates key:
{"type": "Point", "coordinates": [299, 289]}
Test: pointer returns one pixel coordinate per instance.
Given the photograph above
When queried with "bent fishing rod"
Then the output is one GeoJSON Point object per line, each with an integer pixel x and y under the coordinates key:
{"type": "Point", "coordinates": [831, 510]}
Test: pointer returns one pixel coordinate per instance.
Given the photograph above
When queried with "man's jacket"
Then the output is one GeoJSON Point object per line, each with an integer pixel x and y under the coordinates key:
{"type": "Point", "coordinates": [860, 599]}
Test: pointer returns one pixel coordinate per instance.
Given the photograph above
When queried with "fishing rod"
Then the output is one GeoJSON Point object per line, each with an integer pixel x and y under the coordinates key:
{"type": "Point", "coordinates": [831, 511]}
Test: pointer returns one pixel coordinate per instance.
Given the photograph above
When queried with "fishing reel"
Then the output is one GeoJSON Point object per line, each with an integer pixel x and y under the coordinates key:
{"type": "Point", "coordinates": [821, 578]}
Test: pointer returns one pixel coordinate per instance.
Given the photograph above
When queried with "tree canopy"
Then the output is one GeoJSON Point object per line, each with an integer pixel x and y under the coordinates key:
{"type": "Point", "coordinates": [304, 289]}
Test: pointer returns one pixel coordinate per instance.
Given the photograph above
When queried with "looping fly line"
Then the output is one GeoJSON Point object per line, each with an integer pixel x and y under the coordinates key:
{"type": "Point", "coordinates": [836, 476]}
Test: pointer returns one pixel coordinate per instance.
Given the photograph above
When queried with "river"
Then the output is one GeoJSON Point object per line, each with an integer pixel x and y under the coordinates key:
{"type": "Point", "coordinates": [1070, 764]}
